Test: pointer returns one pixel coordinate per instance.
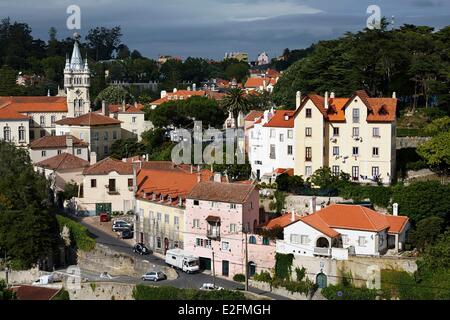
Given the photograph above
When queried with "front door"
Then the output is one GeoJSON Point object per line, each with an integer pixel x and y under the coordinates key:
{"type": "Point", "coordinates": [205, 263]}
{"type": "Point", "coordinates": [225, 268]}
{"type": "Point", "coordinates": [321, 280]}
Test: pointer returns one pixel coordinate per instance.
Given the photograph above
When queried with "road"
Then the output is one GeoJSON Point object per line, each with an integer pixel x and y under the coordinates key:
{"type": "Point", "coordinates": [183, 281]}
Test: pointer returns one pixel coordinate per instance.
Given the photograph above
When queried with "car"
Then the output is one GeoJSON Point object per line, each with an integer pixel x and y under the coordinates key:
{"type": "Point", "coordinates": [141, 249]}
{"type": "Point", "coordinates": [154, 276]}
{"type": "Point", "coordinates": [210, 287]}
{"type": "Point", "coordinates": [104, 217]}
{"type": "Point", "coordinates": [121, 225]}
{"type": "Point", "coordinates": [127, 234]}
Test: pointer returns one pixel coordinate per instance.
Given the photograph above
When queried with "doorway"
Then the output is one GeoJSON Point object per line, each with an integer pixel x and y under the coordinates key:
{"type": "Point", "coordinates": [225, 268]}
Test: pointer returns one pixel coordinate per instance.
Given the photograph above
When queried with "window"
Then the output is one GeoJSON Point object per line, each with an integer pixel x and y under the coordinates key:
{"type": "Point", "coordinates": [355, 132]}
{"type": "Point", "coordinates": [308, 113]}
{"type": "Point", "coordinates": [232, 228]}
{"type": "Point", "coordinates": [355, 115]}
{"type": "Point", "coordinates": [133, 119]}
{"type": "Point", "coordinates": [196, 223]}
{"type": "Point", "coordinates": [355, 151]}
{"type": "Point", "coordinates": [53, 120]}
{"type": "Point", "coordinates": [308, 132]}
{"type": "Point", "coordinates": [59, 151]}
{"type": "Point", "coordinates": [214, 204]}
{"type": "Point", "coordinates": [281, 137]}
{"type": "Point", "coordinates": [265, 241]}
{"type": "Point", "coordinates": [362, 241]}
{"type": "Point", "coordinates": [78, 151]}
{"type": "Point", "coordinates": [176, 221]}
{"type": "Point", "coordinates": [7, 133]}
{"type": "Point", "coordinates": [376, 132]}
{"type": "Point", "coordinates": [225, 245]}
{"type": "Point", "coordinates": [31, 134]}
{"type": "Point", "coordinates": [95, 136]}
{"type": "Point", "coordinates": [105, 150]}
{"type": "Point", "coordinates": [335, 132]}
{"type": "Point", "coordinates": [130, 182]}
{"type": "Point", "coordinates": [272, 133]}
{"type": "Point", "coordinates": [344, 239]}
{"type": "Point", "coordinates": [272, 152]}
{"type": "Point", "coordinates": [335, 151]}
{"type": "Point", "coordinates": [42, 133]}
{"type": "Point", "coordinates": [375, 152]}
{"type": "Point", "coordinates": [289, 150]}
{"type": "Point", "coordinates": [308, 154]}
{"type": "Point", "coordinates": [295, 238]}
{"type": "Point", "coordinates": [166, 218]}
{"type": "Point", "coordinates": [336, 170]}
{"type": "Point", "coordinates": [112, 185]}
{"type": "Point", "coordinates": [252, 240]}
{"type": "Point", "coordinates": [355, 173]}
{"type": "Point", "coordinates": [43, 153]}
{"type": "Point", "coordinates": [114, 135]}
{"type": "Point", "coordinates": [158, 216]}
{"type": "Point", "coordinates": [42, 121]}
{"type": "Point", "coordinates": [53, 133]}
{"type": "Point", "coordinates": [21, 133]}
{"type": "Point", "coordinates": [304, 239]}
{"type": "Point", "coordinates": [158, 242]}
{"type": "Point", "coordinates": [93, 183]}
{"type": "Point", "coordinates": [232, 205]}
{"type": "Point", "coordinates": [105, 135]}
{"type": "Point", "coordinates": [207, 243]}
{"type": "Point", "coordinates": [308, 171]}
{"type": "Point", "coordinates": [196, 202]}
{"type": "Point", "coordinates": [290, 134]}
{"type": "Point", "coordinates": [375, 171]}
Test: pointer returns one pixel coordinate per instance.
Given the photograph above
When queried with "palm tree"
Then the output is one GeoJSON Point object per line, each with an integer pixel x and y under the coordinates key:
{"type": "Point", "coordinates": [236, 101]}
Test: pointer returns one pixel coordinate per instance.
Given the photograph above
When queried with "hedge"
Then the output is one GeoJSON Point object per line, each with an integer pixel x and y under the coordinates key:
{"type": "Point", "coordinates": [264, 276]}
{"type": "Point", "coordinates": [304, 287]}
{"type": "Point", "coordinates": [79, 234]}
{"type": "Point", "coordinates": [143, 292]}
{"type": "Point", "coordinates": [341, 292]}
{"type": "Point", "coordinates": [239, 277]}
{"type": "Point", "coordinates": [410, 132]}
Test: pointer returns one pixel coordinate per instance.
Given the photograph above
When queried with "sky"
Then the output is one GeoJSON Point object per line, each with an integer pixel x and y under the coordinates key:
{"type": "Point", "coordinates": [209, 28]}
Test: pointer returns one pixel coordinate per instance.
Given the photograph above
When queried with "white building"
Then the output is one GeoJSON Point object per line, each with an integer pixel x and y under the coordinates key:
{"type": "Point", "coordinates": [339, 230]}
{"type": "Point", "coordinates": [355, 135]}
{"type": "Point", "coordinates": [51, 146]}
{"type": "Point", "coordinates": [263, 59]}
{"type": "Point", "coordinates": [271, 143]}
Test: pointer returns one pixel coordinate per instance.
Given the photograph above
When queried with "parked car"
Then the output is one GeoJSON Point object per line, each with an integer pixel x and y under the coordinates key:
{"type": "Point", "coordinates": [127, 234]}
{"type": "Point", "coordinates": [210, 286]}
{"type": "Point", "coordinates": [104, 217]}
{"type": "Point", "coordinates": [141, 249]}
{"type": "Point", "coordinates": [121, 225]}
{"type": "Point", "coordinates": [154, 276]}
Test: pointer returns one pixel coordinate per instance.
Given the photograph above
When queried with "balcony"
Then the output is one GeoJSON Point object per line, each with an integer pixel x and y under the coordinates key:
{"type": "Point", "coordinates": [213, 228]}
{"type": "Point", "coordinates": [213, 234]}
{"type": "Point", "coordinates": [322, 251]}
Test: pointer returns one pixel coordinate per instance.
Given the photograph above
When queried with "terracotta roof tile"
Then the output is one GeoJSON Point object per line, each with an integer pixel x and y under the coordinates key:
{"type": "Point", "coordinates": [50, 142]}
{"type": "Point", "coordinates": [281, 221]}
{"type": "Point", "coordinates": [34, 292]}
{"type": "Point", "coordinates": [108, 165]}
{"type": "Point", "coordinates": [35, 104]}
{"type": "Point", "coordinates": [223, 192]}
{"type": "Point", "coordinates": [253, 115]}
{"type": "Point", "coordinates": [89, 119]}
{"type": "Point", "coordinates": [259, 82]}
{"type": "Point", "coordinates": [396, 223]}
{"type": "Point", "coordinates": [63, 161]}
{"type": "Point", "coordinates": [115, 108]}
{"type": "Point", "coordinates": [279, 119]}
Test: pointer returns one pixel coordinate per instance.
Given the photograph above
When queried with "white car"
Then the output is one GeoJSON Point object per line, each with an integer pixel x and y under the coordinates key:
{"type": "Point", "coordinates": [210, 286]}
{"type": "Point", "coordinates": [154, 276]}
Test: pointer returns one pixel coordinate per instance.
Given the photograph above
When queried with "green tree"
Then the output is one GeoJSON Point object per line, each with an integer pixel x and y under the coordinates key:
{"type": "Point", "coordinates": [8, 86]}
{"type": "Point", "coordinates": [125, 148]}
{"type": "Point", "coordinates": [238, 71]}
{"type": "Point", "coordinates": [113, 95]}
{"type": "Point", "coordinates": [235, 101]}
{"type": "Point", "coordinates": [103, 42]}
{"type": "Point", "coordinates": [436, 153]}
{"type": "Point", "coordinates": [426, 232]}
{"type": "Point", "coordinates": [438, 126]}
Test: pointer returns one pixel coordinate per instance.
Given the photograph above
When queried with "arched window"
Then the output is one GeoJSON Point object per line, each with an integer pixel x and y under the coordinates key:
{"type": "Point", "coordinates": [252, 240]}
{"type": "Point", "coordinates": [21, 133]}
{"type": "Point", "coordinates": [7, 133]}
{"type": "Point", "coordinates": [42, 121]}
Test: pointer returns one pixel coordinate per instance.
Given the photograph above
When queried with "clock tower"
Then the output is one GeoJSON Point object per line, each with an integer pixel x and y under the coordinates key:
{"type": "Point", "coordinates": [77, 82]}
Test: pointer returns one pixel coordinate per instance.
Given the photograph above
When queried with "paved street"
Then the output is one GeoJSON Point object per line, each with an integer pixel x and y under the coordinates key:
{"type": "Point", "coordinates": [184, 280]}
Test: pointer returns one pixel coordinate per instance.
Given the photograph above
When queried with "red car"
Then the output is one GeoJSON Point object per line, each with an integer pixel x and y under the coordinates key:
{"type": "Point", "coordinates": [104, 217]}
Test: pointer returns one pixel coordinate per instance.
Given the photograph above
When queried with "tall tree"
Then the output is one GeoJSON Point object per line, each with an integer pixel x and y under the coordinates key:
{"type": "Point", "coordinates": [103, 42]}
{"type": "Point", "coordinates": [235, 102]}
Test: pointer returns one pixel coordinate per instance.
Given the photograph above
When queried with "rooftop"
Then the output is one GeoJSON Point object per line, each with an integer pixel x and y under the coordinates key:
{"type": "Point", "coordinates": [89, 119]}
{"type": "Point", "coordinates": [63, 161]}
{"type": "Point", "coordinates": [222, 192]}
{"type": "Point", "coordinates": [53, 142]}
{"type": "Point", "coordinates": [108, 165]}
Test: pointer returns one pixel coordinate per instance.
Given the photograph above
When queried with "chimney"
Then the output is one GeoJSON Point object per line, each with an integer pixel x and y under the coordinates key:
{"type": "Point", "coordinates": [163, 94]}
{"type": "Point", "coordinates": [395, 209]}
{"type": "Point", "coordinates": [298, 99]}
{"type": "Point", "coordinates": [332, 96]}
{"type": "Point", "coordinates": [194, 87]}
{"type": "Point", "coordinates": [105, 109]}
{"type": "Point", "coordinates": [93, 158]}
{"type": "Point", "coordinates": [136, 104]}
{"type": "Point", "coordinates": [266, 116]}
{"type": "Point", "coordinates": [293, 216]}
{"type": "Point", "coordinates": [192, 169]}
{"type": "Point", "coordinates": [48, 93]}
{"type": "Point", "coordinates": [175, 90]}
{"type": "Point", "coordinates": [217, 177]}
{"type": "Point", "coordinates": [198, 168]}
{"type": "Point", "coordinates": [189, 88]}
{"type": "Point", "coordinates": [69, 143]}
{"type": "Point", "coordinates": [199, 177]}
{"type": "Point", "coordinates": [312, 205]}
{"type": "Point", "coordinates": [123, 105]}
{"type": "Point", "coordinates": [286, 117]}
{"type": "Point", "coordinates": [326, 100]}
{"type": "Point", "coordinates": [394, 95]}
{"type": "Point", "coordinates": [134, 178]}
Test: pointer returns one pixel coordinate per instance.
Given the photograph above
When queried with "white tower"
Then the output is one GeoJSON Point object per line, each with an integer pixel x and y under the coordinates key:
{"type": "Point", "coordinates": [77, 82]}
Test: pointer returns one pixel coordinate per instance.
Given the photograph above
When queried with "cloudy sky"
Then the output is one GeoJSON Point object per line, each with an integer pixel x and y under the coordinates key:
{"type": "Point", "coordinates": [209, 28]}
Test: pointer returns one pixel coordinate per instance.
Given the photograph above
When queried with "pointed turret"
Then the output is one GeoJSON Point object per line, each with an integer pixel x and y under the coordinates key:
{"type": "Point", "coordinates": [67, 67]}
{"type": "Point", "coordinates": [76, 62]}
{"type": "Point", "coordinates": [86, 66]}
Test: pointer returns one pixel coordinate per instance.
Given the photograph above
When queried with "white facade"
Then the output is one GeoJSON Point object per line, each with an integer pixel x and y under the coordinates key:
{"type": "Point", "coordinates": [15, 131]}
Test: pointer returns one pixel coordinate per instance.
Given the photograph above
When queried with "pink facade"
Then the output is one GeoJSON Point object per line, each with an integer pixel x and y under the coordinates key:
{"type": "Point", "coordinates": [226, 241]}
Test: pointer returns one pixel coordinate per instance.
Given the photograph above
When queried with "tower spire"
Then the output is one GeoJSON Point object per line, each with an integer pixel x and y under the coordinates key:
{"type": "Point", "coordinates": [76, 62]}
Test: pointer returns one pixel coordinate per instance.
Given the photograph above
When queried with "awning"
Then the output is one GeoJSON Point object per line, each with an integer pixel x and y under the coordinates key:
{"type": "Point", "coordinates": [213, 219]}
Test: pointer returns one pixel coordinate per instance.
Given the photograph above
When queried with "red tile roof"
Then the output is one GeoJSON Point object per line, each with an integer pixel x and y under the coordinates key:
{"type": "Point", "coordinates": [259, 82]}
{"type": "Point", "coordinates": [63, 161]}
{"type": "Point", "coordinates": [108, 165]}
{"type": "Point", "coordinates": [7, 113]}
{"type": "Point", "coordinates": [35, 104]}
{"type": "Point", "coordinates": [175, 96]}
{"type": "Point", "coordinates": [116, 108]}
{"type": "Point", "coordinates": [222, 192]}
{"type": "Point", "coordinates": [34, 292]}
{"type": "Point", "coordinates": [53, 142]}
{"type": "Point", "coordinates": [353, 217]}
{"type": "Point", "coordinates": [89, 119]}
{"type": "Point", "coordinates": [253, 115]}
{"type": "Point", "coordinates": [288, 171]}
{"type": "Point", "coordinates": [278, 120]}
{"type": "Point", "coordinates": [281, 221]}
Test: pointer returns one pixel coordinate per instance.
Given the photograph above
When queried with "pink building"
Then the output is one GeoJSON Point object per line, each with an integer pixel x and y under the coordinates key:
{"type": "Point", "coordinates": [217, 215]}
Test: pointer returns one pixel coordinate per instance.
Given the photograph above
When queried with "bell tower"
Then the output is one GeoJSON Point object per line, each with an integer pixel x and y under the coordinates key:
{"type": "Point", "coordinates": [77, 78]}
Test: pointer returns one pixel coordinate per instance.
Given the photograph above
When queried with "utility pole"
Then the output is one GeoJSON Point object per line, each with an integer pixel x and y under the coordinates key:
{"type": "Point", "coordinates": [213, 269]}
{"type": "Point", "coordinates": [246, 260]}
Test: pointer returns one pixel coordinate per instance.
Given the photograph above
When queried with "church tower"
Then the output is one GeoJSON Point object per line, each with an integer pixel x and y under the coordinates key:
{"type": "Point", "coordinates": [77, 82]}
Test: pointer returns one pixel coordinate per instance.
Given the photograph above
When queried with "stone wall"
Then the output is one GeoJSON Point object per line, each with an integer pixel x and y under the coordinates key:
{"type": "Point", "coordinates": [301, 204]}
{"type": "Point", "coordinates": [103, 291]}
{"type": "Point", "coordinates": [410, 142]}
{"type": "Point", "coordinates": [22, 277]}
{"type": "Point", "coordinates": [279, 291]}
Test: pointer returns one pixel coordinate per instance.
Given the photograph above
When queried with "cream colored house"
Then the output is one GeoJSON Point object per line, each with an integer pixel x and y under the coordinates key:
{"type": "Point", "coordinates": [355, 135]}
{"type": "Point", "coordinates": [96, 129]}
{"type": "Point", "coordinates": [51, 146]}
{"type": "Point", "coordinates": [108, 185]}
{"type": "Point", "coordinates": [161, 201]}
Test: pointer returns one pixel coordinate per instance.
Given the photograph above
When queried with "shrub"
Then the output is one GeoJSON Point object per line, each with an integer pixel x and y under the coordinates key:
{"type": "Point", "coordinates": [342, 292]}
{"type": "Point", "coordinates": [62, 295]}
{"type": "Point", "coordinates": [283, 266]}
{"type": "Point", "coordinates": [264, 276]}
{"type": "Point", "coordinates": [142, 292]}
{"type": "Point", "coordinates": [300, 273]}
{"type": "Point", "coordinates": [239, 277]}
{"type": "Point", "coordinates": [79, 234]}
{"type": "Point", "coordinates": [304, 287]}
